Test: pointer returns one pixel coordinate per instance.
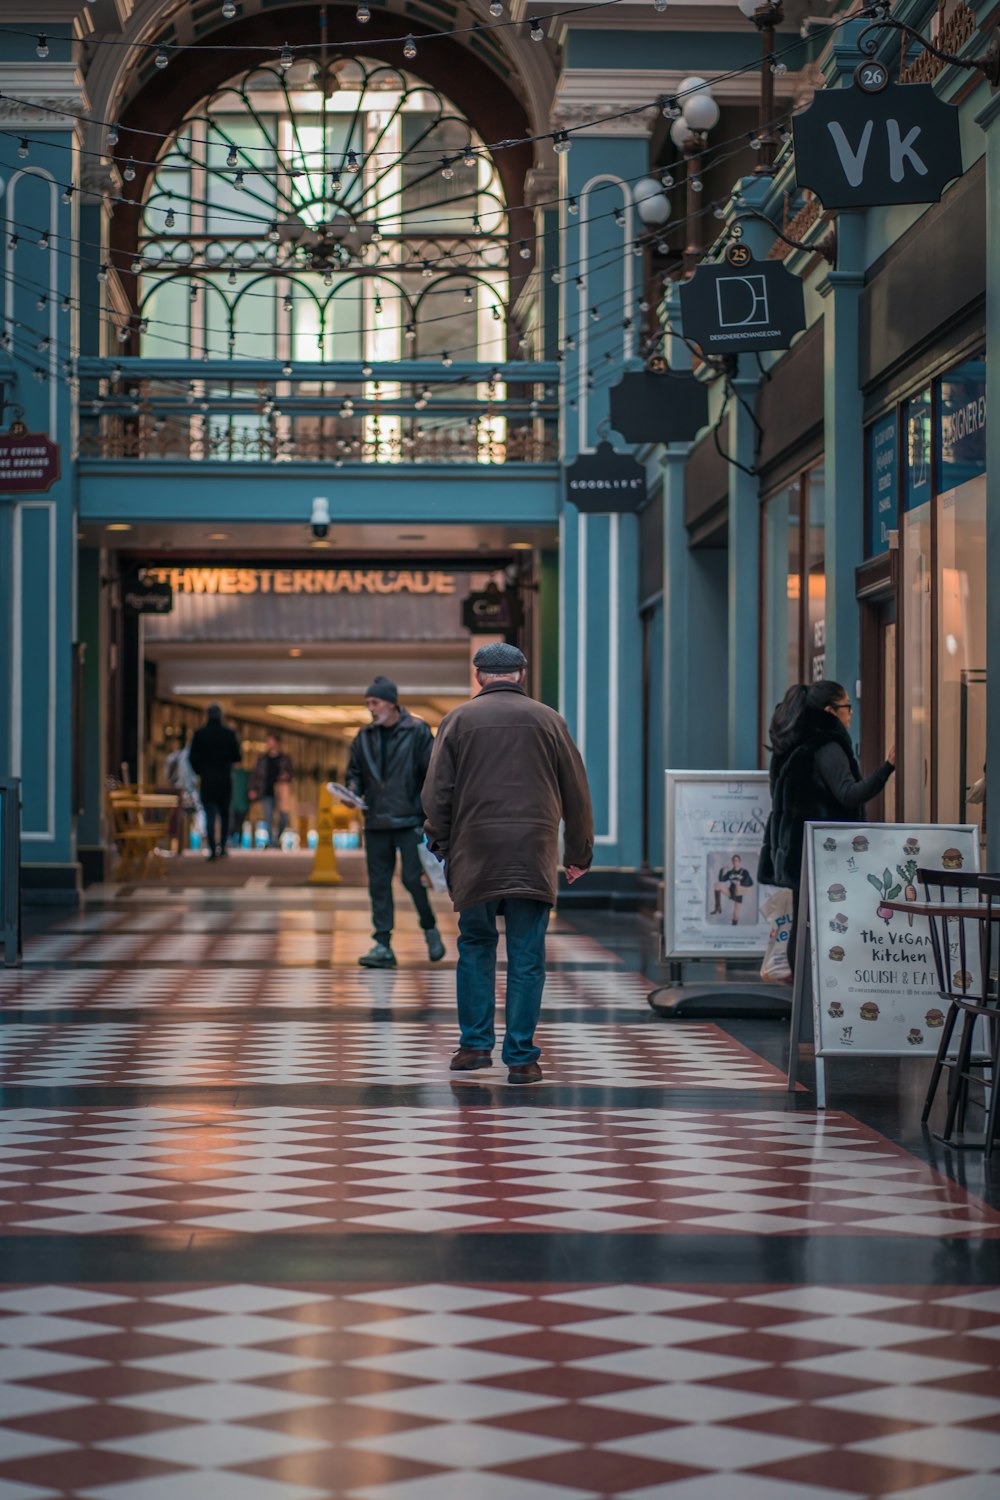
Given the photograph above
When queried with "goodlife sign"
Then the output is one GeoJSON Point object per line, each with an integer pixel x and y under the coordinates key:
{"type": "Point", "coordinates": [742, 305]}
{"type": "Point", "coordinates": [858, 148]}
{"type": "Point", "coordinates": [605, 481]}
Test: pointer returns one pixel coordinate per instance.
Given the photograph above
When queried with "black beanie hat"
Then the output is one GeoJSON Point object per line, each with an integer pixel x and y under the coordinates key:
{"type": "Point", "coordinates": [384, 689]}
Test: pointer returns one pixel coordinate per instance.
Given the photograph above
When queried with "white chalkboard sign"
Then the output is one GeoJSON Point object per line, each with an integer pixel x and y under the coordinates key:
{"type": "Point", "coordinates": [712, 896]}
{"type": "Point", "coordinates": [875, 988]}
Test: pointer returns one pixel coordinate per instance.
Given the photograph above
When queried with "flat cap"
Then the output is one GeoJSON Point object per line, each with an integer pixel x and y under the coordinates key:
{"type": "Point", "coordinates": [499, 657]}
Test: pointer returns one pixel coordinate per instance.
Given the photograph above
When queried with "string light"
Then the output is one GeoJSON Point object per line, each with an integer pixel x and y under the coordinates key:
{"type": "Point", "coordinates": [620, 217]}
{"type": "Point", "coordinates": [364, 15]}
{"type": "Point", "coordinates": [536, 33]}
{"type": "Point", "coordinates": [43, 241]}
{"type": "Point", "coordinates": [409, 48]}
{"type": "Point", "coordinates": [102, 274]}
{"type": "Point", "coordinates": [239, 181]}
{"type": "Point", "coordinates": [561, 142]}
{"type": "Point", "coordinates": [273, 234]}
{"type": "Point", "coordinates": [129, 172]}
{"type": "Point", "coordinates": [468, 298]}
{"type": "Point", "coordinates": [409, 333]}
{"type": "Point", "coordinates": [353, 164]}
{"type": "Point", "coordinates": [232, 160]}
{"type": "Point", "coordinates": [42, 49]}
{"type": "Point", "coordinates": [524, 250]}
{"type": "Point", "coordinates": [469, 157]}
{"type": "Point", "coordinates": [496, 9]}
{"type": "Point", "coordinates": [447, 170]}
{"type": "Point", "coordinates": [447, 360]}
{"type": "Point", "coordinates": [136, 267]}
{"type": "Point", "coordinates": [595, 315]}
{"type": "Point", "coordinates": [572, 207]}
{"type": "Point", "coordinates": [228, 10]}
{"type": "Point", "coordinates": [40, 304]}
{"type": "Point", "coordinates": [170, 219]}
{"type": "Point", "coordinates": [497, 314]}
{"type": "Point", "coordinates": [378, 305]}
{"type": "Point", "coordinates": [68, 191]}
{"type": "Point", "coordinates": [335, 183]}
{"type": "Point", "coordinates": [66, 305]}
{"type": "Point", "coordinates": [286, 59]}
{"type": "Point", "coordinates": [659, 6]}
{"type": "Point", "coordinates": [23, 150]}
{"type": "Point", "coordinates": [286, 368]}
{"type": "Point", "coordinates": [112, 137]}
{"type": "Point", "coordinates": [161, 59]}
{"type": "Point", "coordinates": [376, 234]}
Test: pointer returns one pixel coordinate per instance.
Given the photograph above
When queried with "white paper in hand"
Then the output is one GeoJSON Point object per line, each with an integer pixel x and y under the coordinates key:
{"type": "Point", "coordinates": [345, 795]}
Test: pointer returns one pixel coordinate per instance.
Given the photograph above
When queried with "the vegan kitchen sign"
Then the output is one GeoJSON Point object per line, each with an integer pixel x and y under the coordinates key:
{"type": "Point", "coordinates": [877, 142]}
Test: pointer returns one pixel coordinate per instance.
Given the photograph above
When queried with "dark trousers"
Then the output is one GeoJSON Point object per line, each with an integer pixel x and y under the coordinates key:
{"type": "Point", "coordinates": [380, 852]}
{"type": "Point", "coordinates": [216, 808]}
{"type": "Point", "coordinates": [526, 923]}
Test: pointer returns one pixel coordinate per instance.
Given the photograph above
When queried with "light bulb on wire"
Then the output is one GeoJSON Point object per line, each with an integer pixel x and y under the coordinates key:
{"type": "Point", "coordinates": [42, 48]}
{"type": "Point", "coordinates": [23, 149]}
{"type": "Point", "coordinates": [536, 33]}
{"type": "Point", "coordinates": [561, 142]}
{"type": "Point", "coordinates": [161, 59]}
{"type": "Point", "coordinates": [232, 159]}
{"type": "Point", "coordinates": [286, 59]}
{"type": "Point", "coordinates": [496, 9]}
{"type": "Point", "coordinates": [410, 48]}
{"type": "Point", "coordinates": [228, 10]}
{"type": "Point", "coordinates": [364, 15]}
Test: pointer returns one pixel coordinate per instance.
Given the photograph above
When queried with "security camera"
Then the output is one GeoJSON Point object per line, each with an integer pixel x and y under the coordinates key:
{"type": "Point", "coordinates": [320, 518]}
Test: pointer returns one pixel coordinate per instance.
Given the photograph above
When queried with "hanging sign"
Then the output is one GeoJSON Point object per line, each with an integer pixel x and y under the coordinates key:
{"type": "Point", "coordinates": [877, 143]}
{"type": "Point", "coordinates": [143, 595]}
{"type": "Point", "coordinates": [29, 461]}
{"type": "Point", "coordinates": [491, 612]}
{"type": "Point", "coordinates": [712, 898]}
{"type": "Point", "coordinates": [605, 481]}
{"type": "Point", "coordinates": [742, 305]}
{"type": "Point", "coordinates": [658, 407]}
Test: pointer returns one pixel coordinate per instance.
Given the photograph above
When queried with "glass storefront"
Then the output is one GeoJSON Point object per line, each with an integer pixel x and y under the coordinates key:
{"type": "Point", "coordinates": [793, 554]}
{"type": "Point", "coordinates": [942, 538]}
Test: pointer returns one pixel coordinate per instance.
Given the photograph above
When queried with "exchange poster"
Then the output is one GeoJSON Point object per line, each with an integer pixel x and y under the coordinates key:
{"type": "Point", "coordinates": [875, 986]}
{"type": "Point", "coordinates": [712, 893]}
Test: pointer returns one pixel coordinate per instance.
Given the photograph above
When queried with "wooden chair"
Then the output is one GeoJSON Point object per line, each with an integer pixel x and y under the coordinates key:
{"type": "Point", "coordinates": [136, 830]}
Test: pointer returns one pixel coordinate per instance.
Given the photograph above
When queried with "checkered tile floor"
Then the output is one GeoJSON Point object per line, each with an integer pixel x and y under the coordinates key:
{"type": "Point", "coordinates": [458, 1392]}
{"type": "Point", "coordinates": [288, 1170]}
{"type": "Point", "coordinates": [269, 1386]}
{"type": "Point", "coordinates": [169, 988]}
{"type": "Point", "coordinates": [294, 1052]}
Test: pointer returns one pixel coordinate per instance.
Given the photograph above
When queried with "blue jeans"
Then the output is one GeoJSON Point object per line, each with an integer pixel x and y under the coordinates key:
{"type": "Point", "coordinates": [526, 925]}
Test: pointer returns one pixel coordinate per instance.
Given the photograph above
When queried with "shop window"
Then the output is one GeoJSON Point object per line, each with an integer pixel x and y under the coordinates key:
{"type": "Point", "coordinates": [793, 553]}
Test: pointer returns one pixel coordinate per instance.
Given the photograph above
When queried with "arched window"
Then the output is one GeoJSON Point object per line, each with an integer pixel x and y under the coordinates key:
{"type": "Point", "coordinates": [336, 211]}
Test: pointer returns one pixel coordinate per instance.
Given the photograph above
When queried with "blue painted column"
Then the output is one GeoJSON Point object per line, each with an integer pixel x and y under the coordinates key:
{"type": "Point", "coordinates": [844, 478]}
{"type": "Point", "coordinates": [679, 650]}
{"type": "Point", "coordinates": [989, 119]}
{"type": "Point", "coordinates": [601, 646]}
{"type": "Point", "coordinates": [38, 564]}
{"type": "Point", "coordinates": [743, 738]}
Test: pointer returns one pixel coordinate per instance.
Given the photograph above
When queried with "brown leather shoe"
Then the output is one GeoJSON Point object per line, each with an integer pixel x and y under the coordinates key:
{"type": "Point", "coordinates": [526, 1073]}
{"type": "Point", "coordinates": [468, 1058]}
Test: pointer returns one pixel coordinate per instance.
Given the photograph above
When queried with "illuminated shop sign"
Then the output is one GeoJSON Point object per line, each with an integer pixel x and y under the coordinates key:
{"type": "Point", "coordinates": [962, 415]}
{"type": "Point", "coordinates": [303, 580]}
{"type": "Point", "coordinates": [883, 482]}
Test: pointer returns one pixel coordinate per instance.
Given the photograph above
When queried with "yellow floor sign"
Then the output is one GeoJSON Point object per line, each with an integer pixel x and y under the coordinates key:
{"type": "Point", "coordinates": [324, 870]}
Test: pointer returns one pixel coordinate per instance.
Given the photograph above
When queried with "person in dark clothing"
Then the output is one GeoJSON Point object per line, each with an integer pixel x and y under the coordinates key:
{"type": "Point", "coordinates": [732, 882]}
{"type": "Point", "coordinates": [389, 760]}
{"type": "Point", "coordinates": [271, 787]}
{"type": "Point", "coordinates": [214, 751]}
{"type": "Point", "coordinates": [815, 778]}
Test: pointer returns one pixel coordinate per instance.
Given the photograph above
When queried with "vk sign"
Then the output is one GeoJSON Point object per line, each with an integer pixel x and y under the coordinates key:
{"type": "Point", "coordinates": [856, 149]}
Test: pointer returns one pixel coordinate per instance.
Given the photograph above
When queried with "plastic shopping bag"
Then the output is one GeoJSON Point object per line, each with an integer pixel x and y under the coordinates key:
{"type": "Point", "coordinates": [778, 909]}
{"type": "Point", "coordinates": [433, 868]}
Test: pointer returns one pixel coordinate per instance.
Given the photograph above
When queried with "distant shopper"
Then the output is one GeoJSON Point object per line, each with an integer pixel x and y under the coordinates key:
{"type": "Point", "coordinates": [815, 778]}
{"type": "Point", "coordinates": [271, 786]}
{"type": "Point", "coordinates": [733, 880]}
{"type": "Point", "coordinates": [503, 775]}
{"type": "Point", "coordinates": [214, 751]}
{"type": "Point", "coordinates": [389, 760]}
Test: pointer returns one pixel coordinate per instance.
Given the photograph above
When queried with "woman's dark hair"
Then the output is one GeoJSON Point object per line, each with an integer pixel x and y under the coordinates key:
{"type": "Point", "coordinates": [793, 713]}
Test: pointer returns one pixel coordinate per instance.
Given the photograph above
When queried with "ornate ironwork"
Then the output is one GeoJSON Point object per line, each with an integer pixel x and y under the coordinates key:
{"type": "Point", "coordinates": [336, 172]}
{"type": "Point", "coordinates": [988, 64]}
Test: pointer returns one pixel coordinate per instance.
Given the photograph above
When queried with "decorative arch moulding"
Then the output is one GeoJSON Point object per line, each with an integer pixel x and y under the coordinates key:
{"type": "Point", "coordinates": [42, 95]}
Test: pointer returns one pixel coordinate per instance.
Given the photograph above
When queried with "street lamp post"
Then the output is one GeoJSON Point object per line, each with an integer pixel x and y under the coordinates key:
{"type": "Point", "coordinates": [766, 17]}
{"type": "Point", "coordinates": [699, 112]}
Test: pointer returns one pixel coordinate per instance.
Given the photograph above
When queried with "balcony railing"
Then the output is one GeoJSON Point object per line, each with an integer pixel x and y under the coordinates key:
{"type": "Point", "coordinates": [406, 413]}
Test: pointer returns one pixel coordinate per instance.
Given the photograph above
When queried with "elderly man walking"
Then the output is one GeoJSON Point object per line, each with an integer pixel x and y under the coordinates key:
{"type": "Point", "coordinates": [503, 775]}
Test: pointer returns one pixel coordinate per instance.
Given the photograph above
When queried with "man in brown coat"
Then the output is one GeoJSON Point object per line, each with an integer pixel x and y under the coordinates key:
{"type": "Point", "coordinates": [503, 774]}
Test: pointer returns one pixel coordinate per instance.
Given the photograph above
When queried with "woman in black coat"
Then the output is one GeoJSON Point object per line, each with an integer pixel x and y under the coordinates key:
{"type": "Point", "coordinates": [815, 778]}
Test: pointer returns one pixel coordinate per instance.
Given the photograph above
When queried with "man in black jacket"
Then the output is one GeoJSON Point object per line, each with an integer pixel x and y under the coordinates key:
{"type": "Point", "coordinates": [214, 751]}
{"type": "Point", "coordinates": [389, 761]}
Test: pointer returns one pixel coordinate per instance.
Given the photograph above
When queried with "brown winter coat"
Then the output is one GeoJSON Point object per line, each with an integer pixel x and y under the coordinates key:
{"type": "Point", "coordinates": [504, 772]}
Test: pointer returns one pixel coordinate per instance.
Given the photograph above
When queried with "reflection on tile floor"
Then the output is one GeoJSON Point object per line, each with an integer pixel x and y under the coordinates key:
{"type": "Point", "coordinates": [415, 1392]}
{"type": "Point", "coordinates": [292, 1170]}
